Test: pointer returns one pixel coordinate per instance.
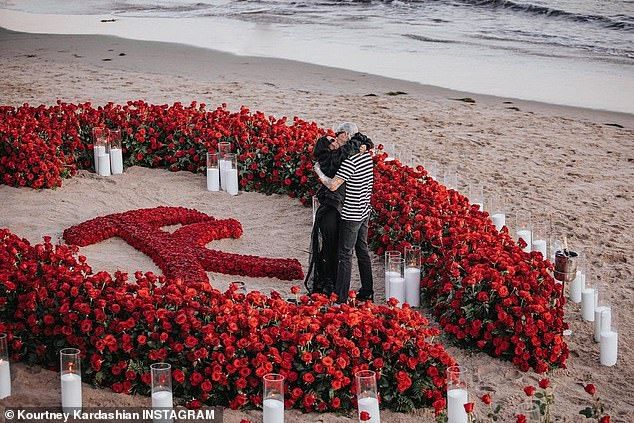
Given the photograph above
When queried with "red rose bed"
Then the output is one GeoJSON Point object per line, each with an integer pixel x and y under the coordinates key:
{"type": "Point", "coordinates": [486, 293]}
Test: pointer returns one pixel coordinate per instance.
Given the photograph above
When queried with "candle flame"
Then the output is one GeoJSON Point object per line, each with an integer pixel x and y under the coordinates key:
{"type": "Point", "coordinates": [70, 367]}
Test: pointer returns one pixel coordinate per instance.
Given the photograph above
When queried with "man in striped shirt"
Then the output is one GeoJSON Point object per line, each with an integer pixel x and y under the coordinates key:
{"type": "Point", "coordinates": [358, 174]}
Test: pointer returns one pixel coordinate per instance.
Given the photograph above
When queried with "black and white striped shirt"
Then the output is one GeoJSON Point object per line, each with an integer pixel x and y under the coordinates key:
{"type": "Point", "coordinates": [358, 173]}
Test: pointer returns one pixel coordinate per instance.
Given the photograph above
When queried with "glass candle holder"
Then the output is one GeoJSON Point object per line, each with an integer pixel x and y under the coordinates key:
{"type": "Point", "coordinates": [588, 298]}
{"type": "Point", "coordinates": [523, 229]}
{"type": "Point", "coordinates": [100, 143]}
{"type": "Point", "coordinates": [230, 174]}
{"type": "Point", "coordinates": [367, 396]}
{"type": "Point", "coordinates": [213, 172]}
{"type": "Point", "coordinates": [161, 374]}
{"type": "Point", "coordinates": [579, 281]}
{"type": "Point", "coordinates": [5, 368]}
{"type": "Point", "coordinates": [476, 195]}
{"type": "Point", "coordinates": [70, 373]}
{"type": "Point", "coordinates": [412, 275]}
{"type": "Point", "coordinates": [224, 147]}
{"type": "Point", "coordinates": [273, 398]}
{"type": "Point", "coordinates": [539, 240]}
{"type": "Point", "coordinates": [609, 342]}
{"type": "Point", "coordinates": [396, 267]}
{"type": "Point", "coordinates": [601, 305]}
{"type": "Point", "coordinates": [497, 210]}
{"type": "Point", "coordinates": [531, 411]}
{"type": "Point", "coordinates": [115, 151]}
{"type": "Point", "coordinates": [457, 394]}
{"type": "Point", "coordinates": [388, 274]}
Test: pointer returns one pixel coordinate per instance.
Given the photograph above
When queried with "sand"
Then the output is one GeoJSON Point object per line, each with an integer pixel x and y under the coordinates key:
{"type": "Point", "coordinates": [559, 163]}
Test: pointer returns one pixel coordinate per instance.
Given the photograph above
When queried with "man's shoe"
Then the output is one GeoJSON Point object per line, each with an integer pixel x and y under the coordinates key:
{"type": "Point", "coordinates": [362, 296]}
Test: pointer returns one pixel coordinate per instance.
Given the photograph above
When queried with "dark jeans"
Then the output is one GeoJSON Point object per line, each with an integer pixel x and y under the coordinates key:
{"type": "Point", "coordinates": [353, 236]}
{"type": "Point", "coordinates": [327, 221]}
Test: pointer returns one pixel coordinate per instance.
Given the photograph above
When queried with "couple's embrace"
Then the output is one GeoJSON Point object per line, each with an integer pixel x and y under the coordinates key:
{"type": "Point", "coordinates": [346, 171]}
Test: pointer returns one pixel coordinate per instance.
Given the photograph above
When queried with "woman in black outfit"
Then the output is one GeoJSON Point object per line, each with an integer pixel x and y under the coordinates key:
{"type": "Point", "coordinates": [322, 270]}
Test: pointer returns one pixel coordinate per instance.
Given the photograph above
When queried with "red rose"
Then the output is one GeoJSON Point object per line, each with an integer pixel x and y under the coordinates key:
{"type": "Point", "coordinates": [178, 376]}
{"type": "Point", "coordinates": [294, 289]}
{"type": "Point", "coordinates": [604, 419]}
{"type": "Point", "coordinates": [364, 416]}
{"type": "Point", "coordinates": [590, 389]}
{"type": "Point", "coordinates": [486, 398]}
{"type": "Point", "coordinates": [544, 383]}
{"type": "Point", "coordinates": [468, 407]}
{"type": "Point", "coordinates": [521, 418]}
{"type": "Point", "coordinates": [529, 390]}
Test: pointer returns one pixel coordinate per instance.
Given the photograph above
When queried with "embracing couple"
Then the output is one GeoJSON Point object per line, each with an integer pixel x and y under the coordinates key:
{"type": "Point", "coordinates": [345, 169]}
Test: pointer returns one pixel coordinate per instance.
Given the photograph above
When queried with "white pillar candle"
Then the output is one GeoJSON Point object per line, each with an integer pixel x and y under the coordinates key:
{"type": "Point", "coordinates": [397, 289]}
{"type": "Point", "coordinates": [232, 181]}
{"type": "Point", "coordinates": [412, 286]}
{"type": "Point", "coordinates": [104, 164]}
{"type": "Point", "coordinates": [116, 161]}
{"type": "Point", "coordinates": [5, 379]}
{"type": "Point", "coordinates": [499, 220]}
{"type": "Point", "coordinates": [601, 320]}
{"type": "Point", "coordinates": [162, 399]}
{"type": "Point", "coordinates": [71, 392]}
{"type": "Point", "coordinates": [541, 246]}
{"type": "Point", "coordinates": [371, 405]}
{"type": "Point", "coordinates": [456, 399]}
{"type": "Point", "coordinates": [273, 411]}
{"type": "Point", "coordinates": [577, 286]}
{"type": "Point", "coordinates": [389, 275]}
{"type": "Point", "coordinates": [97, 151]}
{"type": "Point", "coordinates": [213, 179]}
{"type": "Point", "coordinates": [587, 304]}
{"type": "Point", "coordinates": [224, 165]}
{"type": "Point", "coordinates": [609, 348]}
{"type": "Point", "coordinates": [526, 235]}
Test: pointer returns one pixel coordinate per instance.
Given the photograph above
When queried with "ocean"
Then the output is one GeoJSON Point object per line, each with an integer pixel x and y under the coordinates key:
{"type": "Point", "coordinates": [572, 52]}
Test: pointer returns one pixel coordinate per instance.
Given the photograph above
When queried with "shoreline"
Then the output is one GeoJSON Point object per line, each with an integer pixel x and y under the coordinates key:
{"type": "Point", "coordinates": [191, 62]}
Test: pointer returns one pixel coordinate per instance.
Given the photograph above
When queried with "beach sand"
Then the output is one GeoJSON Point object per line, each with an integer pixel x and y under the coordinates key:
{"type": "Point", "coordinates": [556, 162]}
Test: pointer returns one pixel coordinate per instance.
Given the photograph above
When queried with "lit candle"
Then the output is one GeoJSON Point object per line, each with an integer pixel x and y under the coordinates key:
{"type": "Point", "coordinates": [499, 220]}
{"type": "Point", "coordinates": [71, 379]}
{"type": "Point", "coordinates": [412, 286]}
{"type": "Point", "coordinates": [397, 289]}
{"type": "Point", "coordinates": [232, 181]}
{"type": "Point", "coordinates": [116, 161]}
{"type": "Point", "coordinates": [609, 347]}
{"type": "Point", "coordinates": [5, 379]}
{"type": "Point", "coordinates": [388, 276]}
{"type": "Point", "coordinates": [526, 235]}
{"type": "Point", "coordinates": [456, 399]}
{"type": "Point", "coordinates": [104, 164]}
{"type": "Point", "coordinates": [599, 322]}
{"type": "Point", "coordinates": [541, 246]}
{"type": "Point", "coordinates": [161, 379]}
{"type": "Point", "coordinates": [588, 301]}
{"type": "Point", "coordinates": [371, 406]}
{"type": "Point", "coordinates": [576, 287]}
{"type": "Point", "coordinates": [273, 411]}
{"type": "Point", "coordinates": [213, 179]}
{"type": "Point", "coordinates": [98, 150]}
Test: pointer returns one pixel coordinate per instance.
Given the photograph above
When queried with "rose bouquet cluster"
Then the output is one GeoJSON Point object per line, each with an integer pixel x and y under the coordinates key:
{"type": "Point", "coordinates": [182, 254]}
{"type": "Point", "coordinates": [218, 344]}
{"type": "Point", "coordinates": [484, 290]}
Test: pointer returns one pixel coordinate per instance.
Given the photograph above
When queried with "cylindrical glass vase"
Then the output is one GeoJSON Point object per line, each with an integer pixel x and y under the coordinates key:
{"type": "Point", "coordinates": [231, 173]}
{"type": "Point", "coordinates": [213, 172]}
{"type": "Point", "coordinates": [539, 241]}
{"type": "Point", "coordinates": [524, 229]}
{"type": "Point", "coordinates": [388, 274]}
{"type": "Point", "coordinates": [367, 397]}
{"type": "Point", "coordinates": [412, 275]}
{"type": "Point", "coordinates": [476, 195]}
{"type": "Point", "coordinates": [273, 398]}
{"type": "Point", "coordinates": [70, 372]}
{"type": "Point", "coordinates": [457, 394]}
{"type": "Point", "coordinates": [396, 267]}
{"type": "Point", "coordinates": [5, 368]}
{"type": "Point", "coordinates": [100, 144]}
{"type": "Point", "coordinates": [162, 401]}
{"type": "Point", "coordinates": [115, 151]}
{"type": "Point", "coordinates": [609, 343]}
